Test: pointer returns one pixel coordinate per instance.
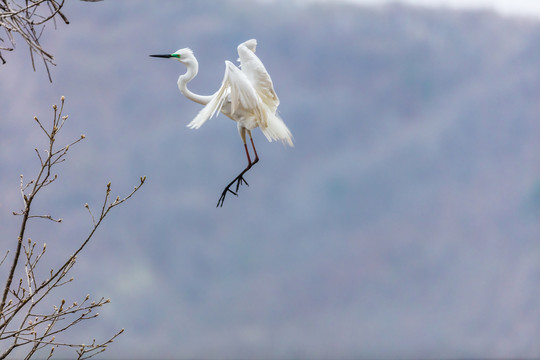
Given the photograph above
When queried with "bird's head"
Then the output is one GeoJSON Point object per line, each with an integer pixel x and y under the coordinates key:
{"type": "Point", "coordinates": [184, 55]}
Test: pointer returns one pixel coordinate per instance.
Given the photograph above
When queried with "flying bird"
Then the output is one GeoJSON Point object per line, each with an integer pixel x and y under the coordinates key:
{"type": "Point", "coordinates": [246, 96]}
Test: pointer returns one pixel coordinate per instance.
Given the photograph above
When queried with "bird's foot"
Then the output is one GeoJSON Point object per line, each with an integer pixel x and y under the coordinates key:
{"type": "Point", "coordinates": [223, 194]}
{"type": "Point", "coordinates": [239, 180]}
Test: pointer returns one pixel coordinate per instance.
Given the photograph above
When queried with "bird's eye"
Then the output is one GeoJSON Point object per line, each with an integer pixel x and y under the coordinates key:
{"type": "Point", "coordinates": [176, 55]}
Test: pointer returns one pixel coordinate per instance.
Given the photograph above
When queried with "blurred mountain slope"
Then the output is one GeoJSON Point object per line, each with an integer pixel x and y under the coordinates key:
{"type": "Point", "coordinates": [404, 222]}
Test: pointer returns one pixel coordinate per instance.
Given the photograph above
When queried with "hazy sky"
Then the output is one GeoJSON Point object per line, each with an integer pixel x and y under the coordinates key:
{"type": "Point", "coordinates": [513, 7]}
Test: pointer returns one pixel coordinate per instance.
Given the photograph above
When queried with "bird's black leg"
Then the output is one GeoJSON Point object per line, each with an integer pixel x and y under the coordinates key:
{"type": "Point", "coordinates": [240, 178]}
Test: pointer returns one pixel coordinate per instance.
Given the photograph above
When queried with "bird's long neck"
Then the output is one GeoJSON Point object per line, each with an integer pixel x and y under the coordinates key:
{"type": "Point", "coordinates": [192, 70]}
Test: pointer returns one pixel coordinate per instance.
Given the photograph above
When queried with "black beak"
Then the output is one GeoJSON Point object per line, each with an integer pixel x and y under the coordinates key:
{"type": "Point", "coordinates": [162, 56]}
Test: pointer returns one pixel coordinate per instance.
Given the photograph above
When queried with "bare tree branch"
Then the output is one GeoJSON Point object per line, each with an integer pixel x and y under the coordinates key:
{"type": "Point", "coordinates": [27, 19]}
{"type": "Point", "coordinates": [25, 318]}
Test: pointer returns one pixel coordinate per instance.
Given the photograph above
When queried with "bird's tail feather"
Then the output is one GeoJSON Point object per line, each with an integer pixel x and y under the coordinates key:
{"type": "Point", "coordinates": [277, 130]}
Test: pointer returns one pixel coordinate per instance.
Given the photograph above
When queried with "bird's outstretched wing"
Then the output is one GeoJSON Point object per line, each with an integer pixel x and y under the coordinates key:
{"type": "Point", "coordinates": [237, 89]}
{"type": "Point", "coordinates": [274, 128]}
{"type": "Point", "coordinates": [256, 73]}
{"type": "Point", "coordinates": [247, 92]}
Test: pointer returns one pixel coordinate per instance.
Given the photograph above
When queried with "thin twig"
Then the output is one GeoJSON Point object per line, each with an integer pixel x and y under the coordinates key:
{"type": "Point", "coordinates": [28, 20]}
{"type": "Point", "coordinates": [4, 258]}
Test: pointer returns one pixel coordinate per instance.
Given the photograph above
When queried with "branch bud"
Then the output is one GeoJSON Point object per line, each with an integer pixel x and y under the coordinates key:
{"type": "Point", "coordinates": [62, 98]}
{"type": "Point", "coordinates": [54, 107]}
{"type": "Point", "coordinates": [83, 136]}
{"type": "Point", "coordinates": [35, 118]}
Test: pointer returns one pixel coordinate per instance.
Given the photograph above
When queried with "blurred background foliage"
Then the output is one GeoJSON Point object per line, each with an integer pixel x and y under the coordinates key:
{"type": "Point", "coordinates": [404, 223]}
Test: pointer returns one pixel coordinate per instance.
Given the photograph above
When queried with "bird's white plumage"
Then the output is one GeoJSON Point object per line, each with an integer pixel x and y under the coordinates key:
{"type": "Point", "coordinates": [246, 95]}
{"type": "Point", "coordinates": [255, 71]}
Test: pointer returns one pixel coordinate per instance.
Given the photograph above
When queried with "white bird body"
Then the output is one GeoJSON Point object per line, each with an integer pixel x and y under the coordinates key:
{"type": "Point", "coordinates": [246, 95]}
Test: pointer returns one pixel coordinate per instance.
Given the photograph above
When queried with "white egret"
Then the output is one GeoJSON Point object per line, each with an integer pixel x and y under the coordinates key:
{"type": "Point", "coordinates": [246, 96]}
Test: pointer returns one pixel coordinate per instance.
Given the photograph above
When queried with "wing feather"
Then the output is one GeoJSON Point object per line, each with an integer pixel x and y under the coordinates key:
{"type": "Point", "coordinates": [214, 105]}
{"type": "Point", "coordinates": [248, 90]}
{"type": "Point", "coordinates": [237, 89]}
{"type": "Point", "coordinates": [242, 92]}
{"type": "Point", "coordinates": [255, 71]}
